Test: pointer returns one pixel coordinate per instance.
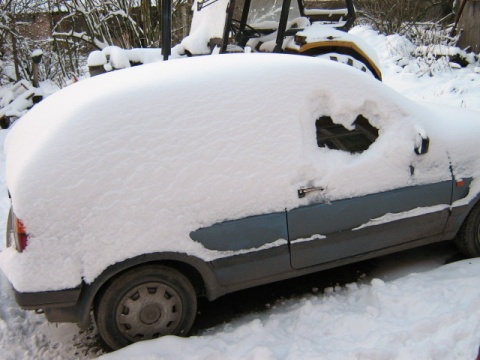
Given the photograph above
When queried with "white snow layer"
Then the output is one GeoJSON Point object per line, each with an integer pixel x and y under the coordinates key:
{"type": "Point", "coordinates": [131, 162]}
{"type": "Point", "coordinates": [121, 58]}
{"type": "Point", "coordinates": [205, 26]}
{"type": "Point", "coordinates": [318, 32]}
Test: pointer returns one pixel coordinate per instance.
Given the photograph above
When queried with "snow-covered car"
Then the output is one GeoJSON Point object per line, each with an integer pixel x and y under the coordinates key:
{"type": "Point", "coordinates": [135, 192]}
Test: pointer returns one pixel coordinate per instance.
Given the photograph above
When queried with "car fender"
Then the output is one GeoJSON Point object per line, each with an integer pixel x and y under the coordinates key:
{"type": "Point", "coordinates": [205, 280]}
{"type": "Point", "coordinates": [459, 214]}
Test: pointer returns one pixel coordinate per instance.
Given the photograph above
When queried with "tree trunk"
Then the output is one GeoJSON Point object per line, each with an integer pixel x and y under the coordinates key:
{"type": "Point", "coordinates": [15, 52]}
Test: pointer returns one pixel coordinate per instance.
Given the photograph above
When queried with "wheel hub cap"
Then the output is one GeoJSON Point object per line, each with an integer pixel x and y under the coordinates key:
{"type": "Point", "coordinates": [150, 314]}
{"type": "Point", "coordinates": [149, 310]}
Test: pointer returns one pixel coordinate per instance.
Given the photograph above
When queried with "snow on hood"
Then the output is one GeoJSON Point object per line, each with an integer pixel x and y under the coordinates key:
{"type": "Point", "coordinates": [318, 32]}
{"type": "Point", "coordinates": [132, 161]}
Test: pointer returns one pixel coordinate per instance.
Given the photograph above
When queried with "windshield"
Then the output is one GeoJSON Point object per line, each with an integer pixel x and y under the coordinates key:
{"type": "Point", "coordinates": [324, 4]}
{"type": "Point", "coordinates": [264, 12]}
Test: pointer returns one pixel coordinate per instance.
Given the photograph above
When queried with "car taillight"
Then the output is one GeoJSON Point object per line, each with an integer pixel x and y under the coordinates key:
{"type": "Point", "coordinates": [21, 235]}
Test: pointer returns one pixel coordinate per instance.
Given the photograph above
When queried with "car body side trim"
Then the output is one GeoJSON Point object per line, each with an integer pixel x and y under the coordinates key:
{"type": "Point", "coordinates": [248, 233]}
{"type": "Point", "coordinates": [249, 282]}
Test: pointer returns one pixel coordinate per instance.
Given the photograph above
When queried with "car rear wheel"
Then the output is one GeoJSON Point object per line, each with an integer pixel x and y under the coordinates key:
{"type": "Point", "coordinates": [468, 238]}
{"type": "Point", "coordinates": [145, 303]}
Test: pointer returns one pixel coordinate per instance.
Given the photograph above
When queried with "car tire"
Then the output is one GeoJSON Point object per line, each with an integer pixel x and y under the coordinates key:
{"type": "Point", "coordinates": [144, 303]}
{"type": "Point", "coordinates": [468, 237]}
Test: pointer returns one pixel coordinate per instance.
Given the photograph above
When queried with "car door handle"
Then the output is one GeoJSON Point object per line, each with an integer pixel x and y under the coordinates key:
{"type": "Point", "coordinates": [304, 191]}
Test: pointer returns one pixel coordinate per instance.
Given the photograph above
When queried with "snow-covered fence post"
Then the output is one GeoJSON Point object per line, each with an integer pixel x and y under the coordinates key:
{"type": "Point", "coordinates": [36, 59]}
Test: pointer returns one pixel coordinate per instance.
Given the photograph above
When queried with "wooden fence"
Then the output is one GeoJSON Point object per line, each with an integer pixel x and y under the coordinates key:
{"type": "Point", "coordinates": [470, 24]}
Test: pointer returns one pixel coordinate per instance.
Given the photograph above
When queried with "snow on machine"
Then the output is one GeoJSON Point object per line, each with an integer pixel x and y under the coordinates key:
{"type": "Point", "coordinates": [305, 27]}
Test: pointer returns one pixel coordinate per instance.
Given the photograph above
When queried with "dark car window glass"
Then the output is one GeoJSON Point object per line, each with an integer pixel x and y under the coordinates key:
{"type": "Point", "coordinates": [336, 136]}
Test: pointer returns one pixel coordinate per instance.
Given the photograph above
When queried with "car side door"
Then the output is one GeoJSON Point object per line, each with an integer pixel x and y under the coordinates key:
{"type": "Point", "coordinates": [367, 199]}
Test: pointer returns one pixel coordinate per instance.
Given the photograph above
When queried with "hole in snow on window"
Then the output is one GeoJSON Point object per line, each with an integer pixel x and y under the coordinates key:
{"type": "Point", "coordinates": [337, 137]}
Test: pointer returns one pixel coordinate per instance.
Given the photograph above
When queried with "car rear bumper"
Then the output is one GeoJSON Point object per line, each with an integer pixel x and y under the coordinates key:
{"type": "Point", "coordinates": [46, 299]}
{"type": "Point", "coordinates": [58, 306]}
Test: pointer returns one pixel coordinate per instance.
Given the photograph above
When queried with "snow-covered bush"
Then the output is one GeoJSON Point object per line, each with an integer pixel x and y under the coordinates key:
{"type": "Point", "coordinates": [60, 61]}
{"type": "Point", "coordinates": [425, 28]}
{"type": "Point", "coordinates": [427, 50]}
{"type": "Point", "coordinates": [402, 16]}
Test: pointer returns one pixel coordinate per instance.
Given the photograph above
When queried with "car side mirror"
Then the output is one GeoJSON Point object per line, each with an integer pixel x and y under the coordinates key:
{"type": "Point", "coordinates": [422, 147]}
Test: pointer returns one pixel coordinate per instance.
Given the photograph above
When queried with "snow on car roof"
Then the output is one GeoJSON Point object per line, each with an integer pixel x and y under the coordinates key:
{"type": "Point", "coordinates": [157, 151]}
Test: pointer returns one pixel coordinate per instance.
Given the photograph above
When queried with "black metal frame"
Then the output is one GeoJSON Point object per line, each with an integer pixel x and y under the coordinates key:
{"type": "Point", "coordinates": [166, 28]}
{"type": "Point", "coordinates": [282, 26]}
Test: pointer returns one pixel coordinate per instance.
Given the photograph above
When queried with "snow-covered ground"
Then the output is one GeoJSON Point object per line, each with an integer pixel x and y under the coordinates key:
{"type": "Point", "coordinates": [409, 307]}
{"type": "Point", "coordinates": [419, 316]}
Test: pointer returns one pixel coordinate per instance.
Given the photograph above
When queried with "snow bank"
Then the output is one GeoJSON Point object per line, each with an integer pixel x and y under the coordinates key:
{"type": "Point", "coordinates": [434, 315]}
{"type": "Point", "coordinates": [17, 99]}
{"type": "Point", "coordinates": [413, 77]}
